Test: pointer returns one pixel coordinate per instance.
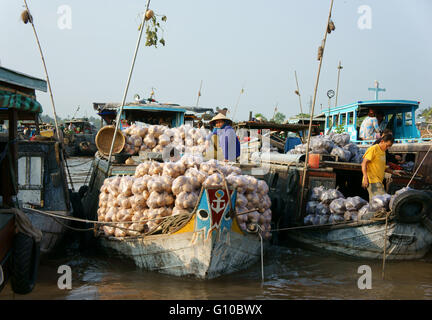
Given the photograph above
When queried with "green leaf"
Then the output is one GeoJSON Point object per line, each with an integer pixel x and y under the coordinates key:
{"type": "Point", "coordinates": [164, 18]}
{"type": "Point", "coordinates": [162, 41]}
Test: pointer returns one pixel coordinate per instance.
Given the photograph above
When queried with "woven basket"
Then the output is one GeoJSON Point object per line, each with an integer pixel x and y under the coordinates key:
{"type": "Point", "coordinates": [104, 138]}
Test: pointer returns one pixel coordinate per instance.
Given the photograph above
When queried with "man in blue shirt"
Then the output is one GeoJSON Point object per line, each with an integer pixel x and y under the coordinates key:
{"type": "Point", "coordinates": [369, 129]}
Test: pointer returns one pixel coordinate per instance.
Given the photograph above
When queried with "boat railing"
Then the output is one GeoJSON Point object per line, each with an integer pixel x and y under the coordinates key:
{"type": "Point", "coordinates": [406, 140]}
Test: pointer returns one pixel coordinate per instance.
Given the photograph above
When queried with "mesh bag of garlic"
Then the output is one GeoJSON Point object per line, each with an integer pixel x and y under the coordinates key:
{"type": "Point", "coordinates": [139, 203]}
{"type": "Point", "coordinates": [154, 138]}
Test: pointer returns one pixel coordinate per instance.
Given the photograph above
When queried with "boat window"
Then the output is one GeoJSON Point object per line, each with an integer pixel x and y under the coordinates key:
{"type": "Point", "coordinates": [30, 180]}
{"type": "Point", "coordinates": [351, 117]}
{"type": "Point", "coordinates": [399, 118]}
{"type": "Point", "coordinates": [344, 119]}
{"type": "Point", "coordinates": [408, 119]}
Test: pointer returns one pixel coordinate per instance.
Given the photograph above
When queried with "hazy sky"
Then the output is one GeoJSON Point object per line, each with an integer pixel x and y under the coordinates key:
{"type": "Point", "coordinates": [227, 44]}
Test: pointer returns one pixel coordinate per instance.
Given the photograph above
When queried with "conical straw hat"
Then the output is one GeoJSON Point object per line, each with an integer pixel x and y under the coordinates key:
{"type": "Point", "coordinates": [219, 116]}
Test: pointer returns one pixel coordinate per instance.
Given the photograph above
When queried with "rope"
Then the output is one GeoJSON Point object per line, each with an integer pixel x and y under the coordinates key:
{"type": "Point", "coordinates": [415, 173]}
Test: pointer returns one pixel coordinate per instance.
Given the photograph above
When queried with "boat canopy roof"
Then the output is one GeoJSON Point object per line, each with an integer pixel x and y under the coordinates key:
{"type": "Point", "coordinates": [385, 106]}
{"type": "Point", "coordinates": [17, 91]}
{"type": "Point", "coordinates": [293, 127]}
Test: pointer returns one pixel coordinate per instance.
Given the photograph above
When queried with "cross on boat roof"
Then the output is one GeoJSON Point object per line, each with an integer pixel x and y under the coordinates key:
{"type": "Point", "coordinates": [376, 89]}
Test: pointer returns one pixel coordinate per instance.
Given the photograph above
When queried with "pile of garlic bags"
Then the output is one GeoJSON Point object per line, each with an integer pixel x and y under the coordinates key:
{"type": "Point", "coordinates": [155, 138]}
{"type": "Point", "coordinates": [159, 190]}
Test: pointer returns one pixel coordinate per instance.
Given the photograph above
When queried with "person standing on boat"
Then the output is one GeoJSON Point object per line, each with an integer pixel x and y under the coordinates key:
{"type": "Point", "coordinates": [227, 138]}
{"type": "Point", "coordinates": [382, 122]}
{"type": "Point", "coordinates": [374, 166]}
{"type": "Point", "coordinates": [369, 129]}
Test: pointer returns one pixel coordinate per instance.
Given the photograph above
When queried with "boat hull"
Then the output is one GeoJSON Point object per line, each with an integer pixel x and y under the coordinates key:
{"type": "Point", "coordinates": [185, 254]}
{"type": "Point", "coordinates": [52, 231]}
{"type": "Point", "coordinates": [401, 241]}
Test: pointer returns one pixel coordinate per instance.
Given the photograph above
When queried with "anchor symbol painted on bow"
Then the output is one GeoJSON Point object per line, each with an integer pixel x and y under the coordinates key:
{"type": "Point", "coordinates": [218, 202]}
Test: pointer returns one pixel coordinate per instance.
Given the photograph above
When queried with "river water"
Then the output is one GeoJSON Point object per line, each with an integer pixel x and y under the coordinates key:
{"type": "Point", "coordinates": [290, 272]}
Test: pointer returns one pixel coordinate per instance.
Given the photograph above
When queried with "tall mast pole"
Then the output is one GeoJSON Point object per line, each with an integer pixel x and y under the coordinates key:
{"type": "Point", "coordinates": [62, 158]}
{"type": "Point", "coordinates": [127, 85]}
{"type": "Point", "coordinates": [337, 88]}
{"type": "Point", "coordinates": [199, 94]}
{"type": "Point", "coordinates": [298, 93]}
{"type": "Point", "coordinates": [320, 56]}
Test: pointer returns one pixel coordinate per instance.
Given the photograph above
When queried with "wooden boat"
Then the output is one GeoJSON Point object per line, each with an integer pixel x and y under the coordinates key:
{"type": "Point", "coordinates": [208, 245]}
{"type": "Point", "coordinates": [42, 185]}
{"type": "Point", "coordinates": [38, 176]}
{"type": "Point", "coordinates": [365, 239]}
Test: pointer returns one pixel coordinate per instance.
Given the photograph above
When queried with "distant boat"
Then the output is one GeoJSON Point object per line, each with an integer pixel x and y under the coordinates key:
{"type": "Point", "coordinates": [80, 141]}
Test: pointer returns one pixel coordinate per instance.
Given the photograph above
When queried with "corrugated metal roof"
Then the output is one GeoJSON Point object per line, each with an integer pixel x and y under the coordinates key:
{"type": "Point", "coordinates": [22, 80]}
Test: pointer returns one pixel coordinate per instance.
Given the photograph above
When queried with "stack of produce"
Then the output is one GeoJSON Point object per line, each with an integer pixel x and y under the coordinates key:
{"type": "Point", "coordinates": [334, 144]}
{"type": "Point", "coordinates": [154, 138]}
{"type": "Point", "coordinates": [330, 206]}
{"type": "Point", "coordinates": [159, 190]}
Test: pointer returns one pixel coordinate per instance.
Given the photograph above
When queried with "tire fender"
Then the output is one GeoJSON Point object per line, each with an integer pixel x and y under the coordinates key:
{"type": "Point", "coordinates": [411, 206]}
{"type": "Point", "coordinates": [24, 263]}
{"type": "Point", "coordinates": [292, 181]}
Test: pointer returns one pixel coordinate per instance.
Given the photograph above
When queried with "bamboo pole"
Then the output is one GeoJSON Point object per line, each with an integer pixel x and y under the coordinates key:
{"type": "Point", "coordinates": [337, 88]}
{"type": "Point", "coordinates": [238, 100]}
{"type": "Point", "coordinates": [313, 109]}
{"type": "Point", "coordinates": [298, 90]}
{"type": "Point", "coordinates": [127, 85]}
{"type": "Point", "coordinates": [199, 94]}
{"type": "Point", "coordinates": [62, 158]}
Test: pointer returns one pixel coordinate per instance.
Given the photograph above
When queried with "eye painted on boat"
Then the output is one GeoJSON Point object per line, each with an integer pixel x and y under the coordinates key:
{"type": "Point", "coordinates": [203, 214]}
{"type": "Point", "coordinates": [227, 215]}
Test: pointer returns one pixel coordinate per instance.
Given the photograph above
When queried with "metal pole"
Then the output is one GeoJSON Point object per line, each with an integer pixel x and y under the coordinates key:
{"type": "Point", "coordinates": [312, 111]}
{"type": "Point", "coordinates": [298, 90]}
{"type": "Point", "coordinates": [199, 94]}
{"type": "Point", "coordinates": [337, 88]}
{"type": "Point", "coordinates": [127, 84]}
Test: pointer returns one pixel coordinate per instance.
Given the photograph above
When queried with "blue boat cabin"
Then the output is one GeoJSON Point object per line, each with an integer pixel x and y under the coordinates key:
{"type": "Point", "coordinates": [399, 115]}
{"type": "Point", "coordinates": [155, 114]}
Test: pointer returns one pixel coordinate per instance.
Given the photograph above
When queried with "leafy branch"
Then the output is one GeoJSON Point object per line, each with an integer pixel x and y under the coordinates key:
{"type": "Point", "coordinates": [154, 31]}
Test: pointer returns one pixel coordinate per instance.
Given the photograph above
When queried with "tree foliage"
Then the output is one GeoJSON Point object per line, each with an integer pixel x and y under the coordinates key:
{"type": "Point", "coordinates": [260, 115]}
{"type": "Point", "coordinates": [426, 113]}
{"type": "Point", "coordinates": [279, 117]}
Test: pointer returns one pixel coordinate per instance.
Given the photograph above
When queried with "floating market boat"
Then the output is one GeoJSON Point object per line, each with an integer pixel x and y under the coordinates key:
{"type": "Point", "coordinates": [209, 243]}
{"type": "Point", "coordinates": [408, 234]}
{"type": "Point", "coordinates": [39, 179]}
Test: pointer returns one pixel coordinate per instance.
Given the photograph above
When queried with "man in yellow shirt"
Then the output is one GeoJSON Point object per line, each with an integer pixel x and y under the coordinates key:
{"type": "Point", "coordinates": [374, 166]}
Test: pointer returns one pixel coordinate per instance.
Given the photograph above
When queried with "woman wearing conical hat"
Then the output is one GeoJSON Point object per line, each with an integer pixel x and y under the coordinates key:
{"type": "Point", "coordinates": [226, 137]}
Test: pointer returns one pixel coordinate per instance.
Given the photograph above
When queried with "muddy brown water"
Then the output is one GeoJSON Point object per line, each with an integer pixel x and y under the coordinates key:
{"type": "Point", "coordinates": [290, 272]}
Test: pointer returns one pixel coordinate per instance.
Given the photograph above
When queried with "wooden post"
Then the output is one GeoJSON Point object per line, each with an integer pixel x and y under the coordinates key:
{"type": "Point", "coordinates": [250, 115]}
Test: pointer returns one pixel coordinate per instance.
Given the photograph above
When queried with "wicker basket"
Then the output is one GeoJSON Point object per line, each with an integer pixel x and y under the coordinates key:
{"type": "Point", "coordinates": [104, 137]}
